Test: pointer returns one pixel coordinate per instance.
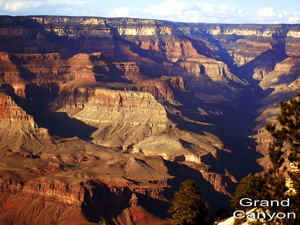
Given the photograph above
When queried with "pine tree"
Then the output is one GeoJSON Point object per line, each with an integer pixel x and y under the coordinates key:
{"type": "Point", "coordinates": [187, 206]}
{"type": "Point", "coordinates": [284, 150]}
{"type": "Point", "coordinates": [253, 187]}
{"type": "Point", "coordinates": [286, 142]}
{"type": "Point", "coordinates": [288, 134]}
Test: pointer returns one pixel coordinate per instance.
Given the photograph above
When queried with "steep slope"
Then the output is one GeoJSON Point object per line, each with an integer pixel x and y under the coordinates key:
{"type": "Point", "coordinates": [84, 106]}
{"type": "Point", "coordinates": [18, 131]}
{"type": "Point", "coordinates": [265, 62]}
{"type": "Point", "coordinates": [113, 111]}
{"type": "Point", "coordinates": [95, 109]}
{"type": "Point", "coordinates": [176, 55]}
{"type": "Point", "coordinates": [282, 84]}
{"type": "Point", "coordinates": [133, 121]}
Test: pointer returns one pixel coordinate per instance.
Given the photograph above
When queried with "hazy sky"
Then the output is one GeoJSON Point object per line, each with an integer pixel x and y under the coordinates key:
{"type": "Point", "coordinates": [209, 11]}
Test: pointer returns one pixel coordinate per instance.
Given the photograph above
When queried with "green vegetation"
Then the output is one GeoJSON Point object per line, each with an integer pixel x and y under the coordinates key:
{"type": "Point", "coordinates": [188, 207]}
{"type": "Point", "coordinates": [281, 180]}
{"type": "Point", "coordinates": [288, 134]}
{"type": "Point", "coordinates": [253, 187]}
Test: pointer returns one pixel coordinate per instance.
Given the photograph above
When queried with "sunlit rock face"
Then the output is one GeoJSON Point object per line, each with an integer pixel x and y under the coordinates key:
{"type": "Point", "coordinates": [18, 131]}
{"type": "Point", "coordinates": [94, 111]}
{"type": "Point", "coordinates": [116, 114]}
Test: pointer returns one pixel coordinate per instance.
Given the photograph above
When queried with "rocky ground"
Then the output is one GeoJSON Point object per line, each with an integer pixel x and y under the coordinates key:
{"type": "Point", "coordinates": [95, 112]}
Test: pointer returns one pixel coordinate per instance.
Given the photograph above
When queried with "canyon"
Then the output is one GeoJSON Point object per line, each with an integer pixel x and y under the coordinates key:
{"type": "Point", "coordinates": [102, 119]}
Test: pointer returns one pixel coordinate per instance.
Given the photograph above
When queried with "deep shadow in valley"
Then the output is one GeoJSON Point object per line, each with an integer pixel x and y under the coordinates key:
{"type": "Point", "coordinates": [231, 122]}
{"type": "Point", "coordinates": [208, 191]}
{"type": "Point", "coordinates": [109, 203]}
{"type": "Point", "coordinates": [101, 202]}
{"type": "Point", "coordinates": [60, 124]}
{"type": "Point", "coordinates": [236, 124]}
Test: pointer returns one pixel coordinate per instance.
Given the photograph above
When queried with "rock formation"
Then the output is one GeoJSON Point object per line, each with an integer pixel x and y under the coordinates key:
{"type": "Point", "coordinates": [134, 200]}
{"type": "Point", "coordinates": [97, 112]}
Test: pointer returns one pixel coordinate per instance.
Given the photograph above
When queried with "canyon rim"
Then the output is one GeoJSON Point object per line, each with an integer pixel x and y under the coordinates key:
{"type": "Point", "coordinates": [99, 112]}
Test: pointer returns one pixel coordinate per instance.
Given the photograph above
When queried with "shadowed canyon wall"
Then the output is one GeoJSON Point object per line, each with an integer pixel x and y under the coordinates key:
{"type": "Point", "coordinates": [98, 113]}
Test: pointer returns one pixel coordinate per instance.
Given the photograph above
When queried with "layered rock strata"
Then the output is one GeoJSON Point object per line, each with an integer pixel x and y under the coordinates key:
{"type": "Point", "coordinates": [18, 130]}
{"type": "Point", "coordinates": [132, 120]}
{"type": "Point", "coordinates": [133, 106]}
{"type": "Point", "coordinates": [76, 192]}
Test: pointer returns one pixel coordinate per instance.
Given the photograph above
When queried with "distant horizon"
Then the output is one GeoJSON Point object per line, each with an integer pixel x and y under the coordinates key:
{"type": "Point", "coordinates": [182, 11]}
{"type": "Point", "coordinates": [136, 18]}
